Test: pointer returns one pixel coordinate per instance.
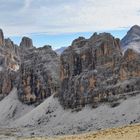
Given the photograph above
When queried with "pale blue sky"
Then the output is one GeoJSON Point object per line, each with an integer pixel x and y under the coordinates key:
{"type": "Point", "coordinates": [61, 40]}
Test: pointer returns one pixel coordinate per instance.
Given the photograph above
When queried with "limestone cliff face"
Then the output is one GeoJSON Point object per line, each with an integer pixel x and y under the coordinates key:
{"type": "Point", "coordinates": [130, 67]}
{"type": "Point", "coordinates": [39, 72]}
{"type": "Point", "coordinates": [94, 70]}
{"type": "Point", "coordinates": [90, 71]}
{"type": "Point", "coordinates": [9, 66]}
{"type": "Point", "coordinates": [34, 71]}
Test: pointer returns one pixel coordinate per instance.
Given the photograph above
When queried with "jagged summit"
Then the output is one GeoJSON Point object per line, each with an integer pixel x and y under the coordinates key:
{"type": "Point", "coordinates": [135, 29]}
{"type": "Point", "coordinates": [26, 42]}
{"type": "Point", "coordinates": [132, 39]}
{"type": "Point", "coordinates": [132, 34]}
{"type": "Point", "coordinates": [9, 43]}
{"type": "Point", "coordinates": [59, 51]}
{"type": "Point", "coordinates": [77, 41]}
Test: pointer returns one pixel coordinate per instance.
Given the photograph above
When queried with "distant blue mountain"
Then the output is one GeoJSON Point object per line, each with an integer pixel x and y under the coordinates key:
{"type": "Point", "coordinates": [60, 50]}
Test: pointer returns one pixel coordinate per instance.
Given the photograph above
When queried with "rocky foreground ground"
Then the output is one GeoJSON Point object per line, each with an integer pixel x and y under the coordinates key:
{"type": "Point", "coordinates": [131, 132]}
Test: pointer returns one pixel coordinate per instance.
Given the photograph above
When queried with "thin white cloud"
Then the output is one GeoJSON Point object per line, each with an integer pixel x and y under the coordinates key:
{"type": "Point", "coordinates": [62, 16]}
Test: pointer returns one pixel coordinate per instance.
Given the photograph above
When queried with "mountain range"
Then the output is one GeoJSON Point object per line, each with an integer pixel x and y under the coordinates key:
{"type": "Point", "coordinates": [90, 85]}
{"type": "Point", "coordinates": [60, 50]}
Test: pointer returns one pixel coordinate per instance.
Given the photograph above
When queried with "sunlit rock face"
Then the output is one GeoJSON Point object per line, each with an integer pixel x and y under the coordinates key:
{"type": "Point", "coordinates": [92, 71]}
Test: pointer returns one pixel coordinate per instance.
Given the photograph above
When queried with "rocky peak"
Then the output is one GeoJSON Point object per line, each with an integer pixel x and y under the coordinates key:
{"type": "Point", "coordinates": [135, 30]}
{"type": "Point", "coordinates": [59, 51]}
{"type": "Point", "coordinates": [104, 42]}
{"type": "Point", "coordinates": [11, 47]}
{"type": "Point", "coordinates": [132, 39]}
{"type": "Point", "coordinates": [1, 38]}
{"type": "Point", "coordinates": [101, 36]}
{"type": "Point", "coordinates": [133, 33]}
{"type": "Point", "coordinates": [47, 47]}
{"type": "Point", "coordinates": [26, 42]}
{"type": "Point", "coordinates": [80, 41]}
{"type": "Point", "coordinates": [9, 43]}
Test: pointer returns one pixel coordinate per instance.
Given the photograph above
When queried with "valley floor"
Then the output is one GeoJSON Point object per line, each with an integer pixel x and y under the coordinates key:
{"type": "Point", "coordinates": [50, 119]}
{"type": "Point", "coordinates": [131, 132]}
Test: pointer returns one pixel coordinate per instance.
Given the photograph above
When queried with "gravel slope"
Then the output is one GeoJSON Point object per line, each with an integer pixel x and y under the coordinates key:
{"type": "Point", "coordinates": [49, 118]}
{"type": "Point", "coordinates": [11, 108]}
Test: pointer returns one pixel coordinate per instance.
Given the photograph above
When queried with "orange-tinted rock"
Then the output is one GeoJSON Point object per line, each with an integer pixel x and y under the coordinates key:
{"type": "Point", "coordinates": [86, 67]}
{"type": "Point", "coordinates": [94, 70]}
{"type": "Point", "coordinates": [130, 67]}
{"type": "Point", "coordinates": [38, 77]}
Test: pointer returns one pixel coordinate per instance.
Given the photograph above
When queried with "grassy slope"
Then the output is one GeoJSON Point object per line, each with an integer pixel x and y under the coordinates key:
{"type": "Point", "coordinates": [124, 133]}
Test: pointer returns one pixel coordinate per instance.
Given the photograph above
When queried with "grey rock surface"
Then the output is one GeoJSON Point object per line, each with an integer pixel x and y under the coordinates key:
{"type": "Point", "coordinates": [60, 50]}
{"type": "Point", "coordinates": [39, 74]}
{"type": "Point", "coordinates": [34, 71]}
{"type": "Point", "coordinates": [132, 39]}
{"type": "Point", "coordinates": [94, 71]}
{"type": "Point", "coordinates": [26, 42]}
{"type": "Point", "coordinates": [99, 87]}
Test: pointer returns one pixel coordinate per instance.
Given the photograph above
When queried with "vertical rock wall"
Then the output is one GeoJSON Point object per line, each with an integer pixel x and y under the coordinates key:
{"type": "Point", "coordinates": [94, 70]}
